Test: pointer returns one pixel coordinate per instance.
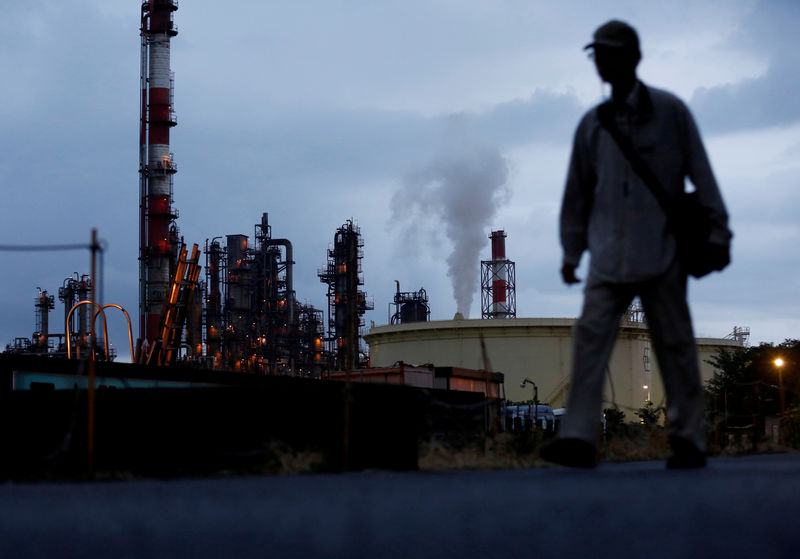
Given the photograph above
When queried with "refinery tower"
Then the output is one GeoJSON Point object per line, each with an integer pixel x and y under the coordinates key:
{"type": "Point", "coordinates": [157, 229]}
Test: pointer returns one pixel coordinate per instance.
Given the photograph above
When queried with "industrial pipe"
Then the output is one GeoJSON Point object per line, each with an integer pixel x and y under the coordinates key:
{"type": "Point", "coordinates": [289, 265]}
{"type": "Point", "coordinates": [105, 327]}
{"type": "Point", "coordinates": [127, 317]}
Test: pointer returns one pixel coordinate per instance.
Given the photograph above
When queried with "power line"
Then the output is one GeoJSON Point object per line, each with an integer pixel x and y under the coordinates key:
{"type": "Point", "coordinates": [31, 248]}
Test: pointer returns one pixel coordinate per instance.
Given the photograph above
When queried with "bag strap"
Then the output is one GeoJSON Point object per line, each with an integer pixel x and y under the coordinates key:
{"type": "Point", "coordinates": [605, 114]}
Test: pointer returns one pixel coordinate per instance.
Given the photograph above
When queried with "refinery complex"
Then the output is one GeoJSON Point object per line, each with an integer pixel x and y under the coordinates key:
{"type": "Point", "coordinates": [229, 304]}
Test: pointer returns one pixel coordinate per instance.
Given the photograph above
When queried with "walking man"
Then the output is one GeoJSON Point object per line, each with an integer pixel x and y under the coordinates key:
{"type": "Point", "coordinates": [609, 210]}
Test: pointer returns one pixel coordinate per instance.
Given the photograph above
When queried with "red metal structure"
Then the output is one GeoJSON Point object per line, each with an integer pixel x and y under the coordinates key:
{"type": "Point", "coordinates": [498, 285]}
{"type": "Point", "coordinates": [157, 230]}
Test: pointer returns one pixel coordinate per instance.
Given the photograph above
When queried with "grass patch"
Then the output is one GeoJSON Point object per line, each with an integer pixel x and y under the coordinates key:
{"type": "Point", "coordinates": [628, 443]}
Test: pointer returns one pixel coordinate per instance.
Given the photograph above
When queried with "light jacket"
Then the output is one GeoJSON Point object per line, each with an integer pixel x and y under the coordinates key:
{"type": "Point", "coordinates": [609, 211]}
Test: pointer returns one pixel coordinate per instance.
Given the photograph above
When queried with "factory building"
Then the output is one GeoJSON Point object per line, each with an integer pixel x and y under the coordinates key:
{"type": "Point", "coordinates": [243, 315]}
{"type": "Point", "coordinates": [428, 376]}
{"type": "Point", "coordinates": [251, 320]}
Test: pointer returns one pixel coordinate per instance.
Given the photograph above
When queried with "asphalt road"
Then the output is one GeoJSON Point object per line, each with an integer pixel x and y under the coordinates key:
{"type": "Point", "coordinates": [737, 507]}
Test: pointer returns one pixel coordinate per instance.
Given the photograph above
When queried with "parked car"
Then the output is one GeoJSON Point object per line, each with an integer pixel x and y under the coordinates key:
{"type": "Point", "coordinates": [524, 416]}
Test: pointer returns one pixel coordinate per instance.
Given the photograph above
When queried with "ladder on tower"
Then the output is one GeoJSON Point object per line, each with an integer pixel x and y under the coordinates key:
{"type": "Point", "coordinates": [173, 316]}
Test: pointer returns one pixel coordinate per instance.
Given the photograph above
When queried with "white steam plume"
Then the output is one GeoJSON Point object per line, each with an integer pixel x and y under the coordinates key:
{"type": "Point", "coordinates": [463, 185]}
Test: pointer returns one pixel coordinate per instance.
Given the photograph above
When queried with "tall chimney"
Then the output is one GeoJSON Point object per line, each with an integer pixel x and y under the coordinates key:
{"type": "Point", "coordinates": [157, 231]}
{"type": "Point", "coordinates": [498, 289]}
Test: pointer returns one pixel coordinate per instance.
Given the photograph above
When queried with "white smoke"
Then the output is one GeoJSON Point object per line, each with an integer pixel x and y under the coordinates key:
{"type": "Point", "coordinates": [463, 185]}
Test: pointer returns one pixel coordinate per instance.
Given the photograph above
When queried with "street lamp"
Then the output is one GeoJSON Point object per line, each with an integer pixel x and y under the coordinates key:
{"type": "Point", "coordinates": [779, 364]}
{"type": "Point", "coordinates": [525, 381]}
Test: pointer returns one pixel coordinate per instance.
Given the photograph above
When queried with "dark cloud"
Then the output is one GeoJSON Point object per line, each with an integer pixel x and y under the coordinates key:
{"type": "Point", "coordinates": [545, 116]}
{"type": "Point", "coordinates": [753, 103]}
{"type": "Point", "coordinates": [370, 143]}
{"type": "Point", "coordinates": [280, 112]}
{"type": "Point", "coordinates": [771, 99]}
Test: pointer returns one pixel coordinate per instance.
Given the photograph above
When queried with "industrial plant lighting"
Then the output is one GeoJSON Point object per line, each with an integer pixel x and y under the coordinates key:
{"type": "Point", "coordinates": [645, 386]}
{"type": "Point", "coordinates": [778, 362]}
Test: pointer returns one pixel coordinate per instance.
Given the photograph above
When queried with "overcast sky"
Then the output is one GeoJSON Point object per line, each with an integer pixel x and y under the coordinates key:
{"type": "Point", "coordinates": [430, 123]}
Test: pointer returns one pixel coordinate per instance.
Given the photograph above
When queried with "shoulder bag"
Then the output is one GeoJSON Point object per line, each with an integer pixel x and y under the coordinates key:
{"type": "Point", "coordinates": [687, 218]}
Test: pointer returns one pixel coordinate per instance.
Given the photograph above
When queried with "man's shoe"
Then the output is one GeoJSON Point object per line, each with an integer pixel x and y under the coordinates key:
{"type": "Point", "coordinates": [685, 454]}
{"type": "Point", "coordinates": [575, 453]}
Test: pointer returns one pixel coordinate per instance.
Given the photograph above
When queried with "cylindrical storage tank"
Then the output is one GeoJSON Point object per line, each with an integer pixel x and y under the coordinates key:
{"type": "Point", "coordinates": [537, 348]}
{"type": "Point", "coordinates": [238, 274]}
{"type": "Point", "coordinates": [237, 249]}
{"type": "Point", "coordinates": [413, 311]}
{"type": "Point", "coordinates": [84, 294]}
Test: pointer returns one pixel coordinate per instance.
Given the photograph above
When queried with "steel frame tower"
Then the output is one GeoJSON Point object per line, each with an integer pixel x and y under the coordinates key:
{"type": "Point", "coordinates": [213, 326]}
{"type": "Point", "coordinates": [346, 302]}
{"type": "Point", "coordinates": [157, 230]}
{"type": "Point", "coordinates": [44, 304]}
{"type": "Point", "coordinates": [498, 283]}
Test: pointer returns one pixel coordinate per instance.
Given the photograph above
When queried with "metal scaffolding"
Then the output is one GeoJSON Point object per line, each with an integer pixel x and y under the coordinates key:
{"type": "Point", "coordinates": [346, 302]}
{"type": "Point", "coordinates": [498, 281]}
{"type": "Point", "coordinates": [251, 320]}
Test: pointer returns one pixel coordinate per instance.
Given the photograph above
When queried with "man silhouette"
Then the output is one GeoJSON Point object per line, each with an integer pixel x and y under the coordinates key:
{"type": "Point", "coordinates": [608, 210]}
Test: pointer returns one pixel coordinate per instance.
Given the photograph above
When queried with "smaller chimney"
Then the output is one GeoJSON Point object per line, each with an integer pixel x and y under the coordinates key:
{"type": "Point", "coordinates": [498, 286]}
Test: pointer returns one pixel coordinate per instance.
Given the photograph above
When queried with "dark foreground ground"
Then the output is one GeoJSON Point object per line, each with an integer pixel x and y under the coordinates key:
{"type": "Point", "coordinates": [737, 507]}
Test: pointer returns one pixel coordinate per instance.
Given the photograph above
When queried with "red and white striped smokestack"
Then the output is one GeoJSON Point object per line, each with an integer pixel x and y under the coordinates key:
{"type": "Point", "coordinates": [499, 303]}
{"type": "Point", "coordinates": [156, 166]}
{"type": "Point", "coordinates": [498, 281]}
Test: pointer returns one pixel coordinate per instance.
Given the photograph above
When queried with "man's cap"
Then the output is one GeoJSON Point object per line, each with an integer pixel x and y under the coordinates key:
{"type": "Point", "coordinates": [615, 33]}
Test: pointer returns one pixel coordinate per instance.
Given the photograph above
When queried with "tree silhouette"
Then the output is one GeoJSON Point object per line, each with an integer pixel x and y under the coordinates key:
{"type": "Point", "coordinates": [747, 383]}
{"type": "Point", "coordinates": [649, 414]}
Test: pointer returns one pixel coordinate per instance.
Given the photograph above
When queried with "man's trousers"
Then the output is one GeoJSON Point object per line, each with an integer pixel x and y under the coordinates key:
{"type": "Point", "coordinates": [670, 324]}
